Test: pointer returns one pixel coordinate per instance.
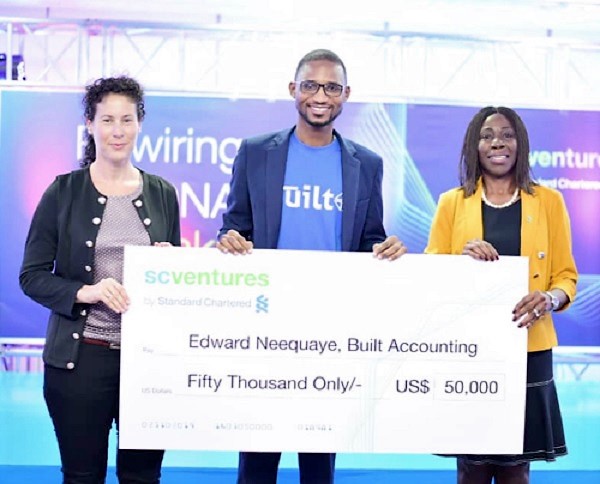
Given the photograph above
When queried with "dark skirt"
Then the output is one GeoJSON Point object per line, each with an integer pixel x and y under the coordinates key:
{"type": "Point", "coordinates": [544, 437]}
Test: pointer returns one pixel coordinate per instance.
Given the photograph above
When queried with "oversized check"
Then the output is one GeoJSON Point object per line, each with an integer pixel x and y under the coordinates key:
{"type": "Point", "coordinates": [322, 352]}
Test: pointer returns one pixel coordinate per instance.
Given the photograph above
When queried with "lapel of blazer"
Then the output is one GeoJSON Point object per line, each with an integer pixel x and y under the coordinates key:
{"type": "Point", "coordinates": [350, 179]}
{"type": "Point", "coordinates": [276, 159]}
{"type": "Point", "coordinates": [473, 216]}
{"type": "Point", "coordinates": [530, 219]}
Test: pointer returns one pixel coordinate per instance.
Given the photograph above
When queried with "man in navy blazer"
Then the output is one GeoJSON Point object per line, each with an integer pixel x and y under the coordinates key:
{"type": "Point", "coordinates": [306, 188]}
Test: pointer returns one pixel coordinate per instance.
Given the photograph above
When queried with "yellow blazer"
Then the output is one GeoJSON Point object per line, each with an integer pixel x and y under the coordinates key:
{"type": "Point", "coordinates": [545, 239]}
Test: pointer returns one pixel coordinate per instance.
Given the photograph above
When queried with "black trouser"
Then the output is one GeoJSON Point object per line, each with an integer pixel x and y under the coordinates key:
{"type": "Point", "coordinates": [83, 403]}
{"type": "Point", "coordinates": [261, 468]}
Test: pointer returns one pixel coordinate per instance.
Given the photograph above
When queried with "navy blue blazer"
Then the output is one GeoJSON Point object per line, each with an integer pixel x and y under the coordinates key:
{"type": "Point", "coordinates": [255, 199]}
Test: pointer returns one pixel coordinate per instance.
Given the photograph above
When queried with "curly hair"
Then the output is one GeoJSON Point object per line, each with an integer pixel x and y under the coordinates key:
{"type": "Point", "coordinates": [321, 54]}
{"type": "Point", "coordinates": [95, 92]}
{"type": "Point", "coordinates": [469, 167]}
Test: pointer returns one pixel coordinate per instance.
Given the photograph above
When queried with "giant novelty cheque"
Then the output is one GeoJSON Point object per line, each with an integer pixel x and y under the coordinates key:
{"type": "Point", "coordinates": [321, 352]}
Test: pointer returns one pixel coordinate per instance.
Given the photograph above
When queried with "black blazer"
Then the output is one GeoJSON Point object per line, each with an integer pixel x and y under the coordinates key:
{"type": "Point", "coordinates": [60, 245]}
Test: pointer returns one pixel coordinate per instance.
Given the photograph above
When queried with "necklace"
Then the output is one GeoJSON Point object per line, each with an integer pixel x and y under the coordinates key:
{"type": "Point", "coordinates": [512, 200]}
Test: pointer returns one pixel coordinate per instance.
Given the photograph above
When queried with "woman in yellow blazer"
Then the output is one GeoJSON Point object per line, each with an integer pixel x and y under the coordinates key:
{"type": "Point", "coordinates": [499, 210]}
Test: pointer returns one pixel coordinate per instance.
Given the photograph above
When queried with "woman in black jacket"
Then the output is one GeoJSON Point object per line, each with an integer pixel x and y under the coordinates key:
{"type": "Point", "coordinates": [73, 265]}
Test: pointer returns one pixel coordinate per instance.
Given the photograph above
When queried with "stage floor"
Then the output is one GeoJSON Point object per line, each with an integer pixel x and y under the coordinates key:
{"type": "Point", "coordinates": [50, 474]}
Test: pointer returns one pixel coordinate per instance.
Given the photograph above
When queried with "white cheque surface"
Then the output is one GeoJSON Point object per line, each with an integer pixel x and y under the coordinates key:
{"type": "Point", "coordinates": [322, 352]}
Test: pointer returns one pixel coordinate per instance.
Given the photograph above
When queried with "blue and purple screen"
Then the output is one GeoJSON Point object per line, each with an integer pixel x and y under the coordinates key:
{"type": "Point", "coordinates": [192, 141]}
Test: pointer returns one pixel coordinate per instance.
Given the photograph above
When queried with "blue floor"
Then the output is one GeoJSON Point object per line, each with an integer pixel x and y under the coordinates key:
{"type": "Point", "coordinates": [48, 474]}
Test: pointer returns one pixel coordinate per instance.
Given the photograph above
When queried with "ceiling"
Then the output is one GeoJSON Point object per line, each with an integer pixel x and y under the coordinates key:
{"type": "Point", "coordinates": [563, 21]}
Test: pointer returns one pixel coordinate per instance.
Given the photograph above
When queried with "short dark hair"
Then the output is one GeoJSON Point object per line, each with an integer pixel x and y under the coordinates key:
{"type": "Point", "coordinates": [469, 167]}
{"type": "Point", "coordinates": [321, 54]}
{"type": "Point", "coordinates": [95, 92]}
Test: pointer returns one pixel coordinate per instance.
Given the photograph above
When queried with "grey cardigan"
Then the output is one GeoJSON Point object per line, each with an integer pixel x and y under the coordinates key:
{"type": "Point", "coordinates": [59, 251]}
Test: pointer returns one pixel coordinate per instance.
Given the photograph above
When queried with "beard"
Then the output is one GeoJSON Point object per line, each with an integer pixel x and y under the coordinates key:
{"type": "Point", "coordinates": [320, 123]}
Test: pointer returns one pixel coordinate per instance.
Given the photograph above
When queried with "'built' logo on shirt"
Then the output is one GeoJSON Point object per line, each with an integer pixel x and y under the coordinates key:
{"type": "Point", "coordinates": [311, 197]}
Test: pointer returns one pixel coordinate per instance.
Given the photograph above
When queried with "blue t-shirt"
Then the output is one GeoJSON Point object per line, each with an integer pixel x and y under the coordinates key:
{"type": "Point", "coordinates": [311, 217]}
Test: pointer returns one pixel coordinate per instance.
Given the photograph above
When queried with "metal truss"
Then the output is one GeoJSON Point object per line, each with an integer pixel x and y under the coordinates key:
{"type": "Point", "coordinates": [242, 63]}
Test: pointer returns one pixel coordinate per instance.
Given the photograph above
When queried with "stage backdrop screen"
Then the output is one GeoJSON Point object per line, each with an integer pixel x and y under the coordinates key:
{"type": "Point", "coordinates": [192, 141]}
